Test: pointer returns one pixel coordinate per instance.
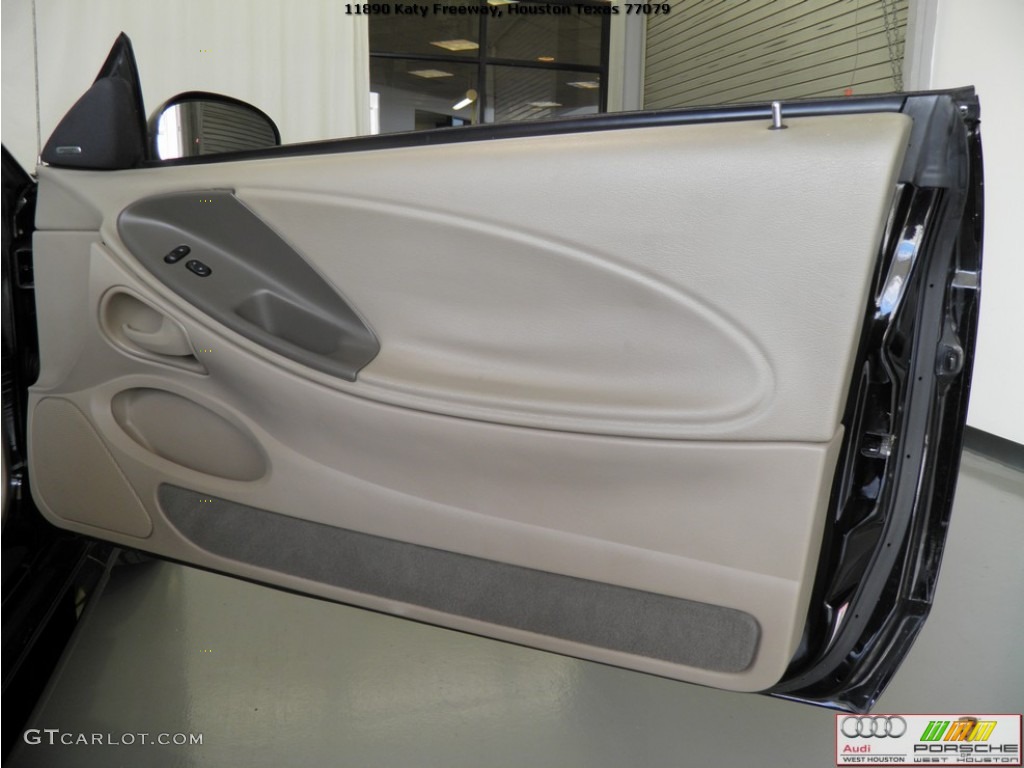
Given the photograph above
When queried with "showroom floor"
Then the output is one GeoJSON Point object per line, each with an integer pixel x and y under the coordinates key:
{"type": "Point", "coordinates": [276, 679]}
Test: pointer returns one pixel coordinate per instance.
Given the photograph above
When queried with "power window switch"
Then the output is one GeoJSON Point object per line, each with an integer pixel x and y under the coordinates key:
{"type": "Point", "coordinates": [177, 254]}
{"type": "Point", "coordinates": [198, 268]}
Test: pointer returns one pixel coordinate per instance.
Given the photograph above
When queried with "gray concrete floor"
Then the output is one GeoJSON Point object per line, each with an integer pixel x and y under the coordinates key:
{"type": "Point", "coordinates": [274, 679]}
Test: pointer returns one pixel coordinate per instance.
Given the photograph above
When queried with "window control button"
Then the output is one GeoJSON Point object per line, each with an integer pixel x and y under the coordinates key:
{"type": "Point", "coordinates": [177, 254]}
{"type": "Point", "coordinates": [198, 268]}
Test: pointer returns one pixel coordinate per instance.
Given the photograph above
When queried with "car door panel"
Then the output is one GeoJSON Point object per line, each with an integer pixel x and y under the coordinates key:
{"type": "Point", "coordinates": [603, 509]}
{"type": "Point", "coordinates": [474, 304]}
{"type": "Point", "coordinates": [638, 379]}
{"type": "Point", "coordinates": [596, 381]}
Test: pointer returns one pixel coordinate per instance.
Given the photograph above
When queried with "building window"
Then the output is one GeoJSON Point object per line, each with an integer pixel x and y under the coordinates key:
{"type": "Point", "coordinates": [512, 61]}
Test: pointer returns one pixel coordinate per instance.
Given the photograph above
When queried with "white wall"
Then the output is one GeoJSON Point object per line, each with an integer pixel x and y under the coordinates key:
{"type": "Point", "coordinates": [981, 43]}
{"type": "Point", "coordinates": [304, 63]}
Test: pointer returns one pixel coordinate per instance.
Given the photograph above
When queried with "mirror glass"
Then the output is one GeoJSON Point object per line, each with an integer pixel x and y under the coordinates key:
{"type": "Point", "coordinates": [212, 126]}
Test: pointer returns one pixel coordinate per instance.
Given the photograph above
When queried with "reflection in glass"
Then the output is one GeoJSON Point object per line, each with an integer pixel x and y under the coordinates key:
{"type": "Point", "coordinates": [563, 39]}
{"type": "Point", "coordinates": [417, 95]}
{"type": "Point", "coordinates": [197, 127]}
{"type": "Point", "coordinates": [530, 94]}
{"type": "Point", "coordinates": [435, 33]}
{"type": "Point", "coordinates": [493, 61]}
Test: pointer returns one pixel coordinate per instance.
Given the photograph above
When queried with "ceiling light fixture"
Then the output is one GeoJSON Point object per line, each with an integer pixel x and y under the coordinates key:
{"type": "Point", "coordinates": [545, 104]}
{"type": "Point", "coordinates": [456, 45]}
{"type": "Point", "coordinates": [585, 84]}
{"type": "Point", "coordinates": [546, 59]}
{"type": "Point", "coordinates": [430, 74]}
{"type": "Point", "coordinates": [470, 98]}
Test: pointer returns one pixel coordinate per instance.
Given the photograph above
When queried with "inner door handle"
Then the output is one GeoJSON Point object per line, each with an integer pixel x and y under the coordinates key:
{"type": "Point", "coordinates": [168, 339]}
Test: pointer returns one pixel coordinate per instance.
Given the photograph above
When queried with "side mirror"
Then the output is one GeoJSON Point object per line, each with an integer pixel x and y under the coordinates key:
{"type": "Point", "coordinates": [197, 123]}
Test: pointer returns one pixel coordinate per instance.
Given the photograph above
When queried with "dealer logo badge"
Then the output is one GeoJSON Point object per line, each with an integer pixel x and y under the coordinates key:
{"type": "Point", "coordinates": [873, 726]}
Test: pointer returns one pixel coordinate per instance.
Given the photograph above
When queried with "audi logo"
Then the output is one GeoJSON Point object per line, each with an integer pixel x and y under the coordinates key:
{"type": "Point", "coordinates": [873, 727]}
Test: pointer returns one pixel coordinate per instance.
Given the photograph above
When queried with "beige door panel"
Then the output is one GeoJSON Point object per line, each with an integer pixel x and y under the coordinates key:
{"type": "Point", "coordinates": [488, 309]}
{"type": "Point", "coordinates": [625, 370]}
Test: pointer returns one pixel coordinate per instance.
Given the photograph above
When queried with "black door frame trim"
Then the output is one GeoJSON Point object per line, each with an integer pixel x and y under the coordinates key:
{"type": "Point", "coordinates": [610, 121]}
